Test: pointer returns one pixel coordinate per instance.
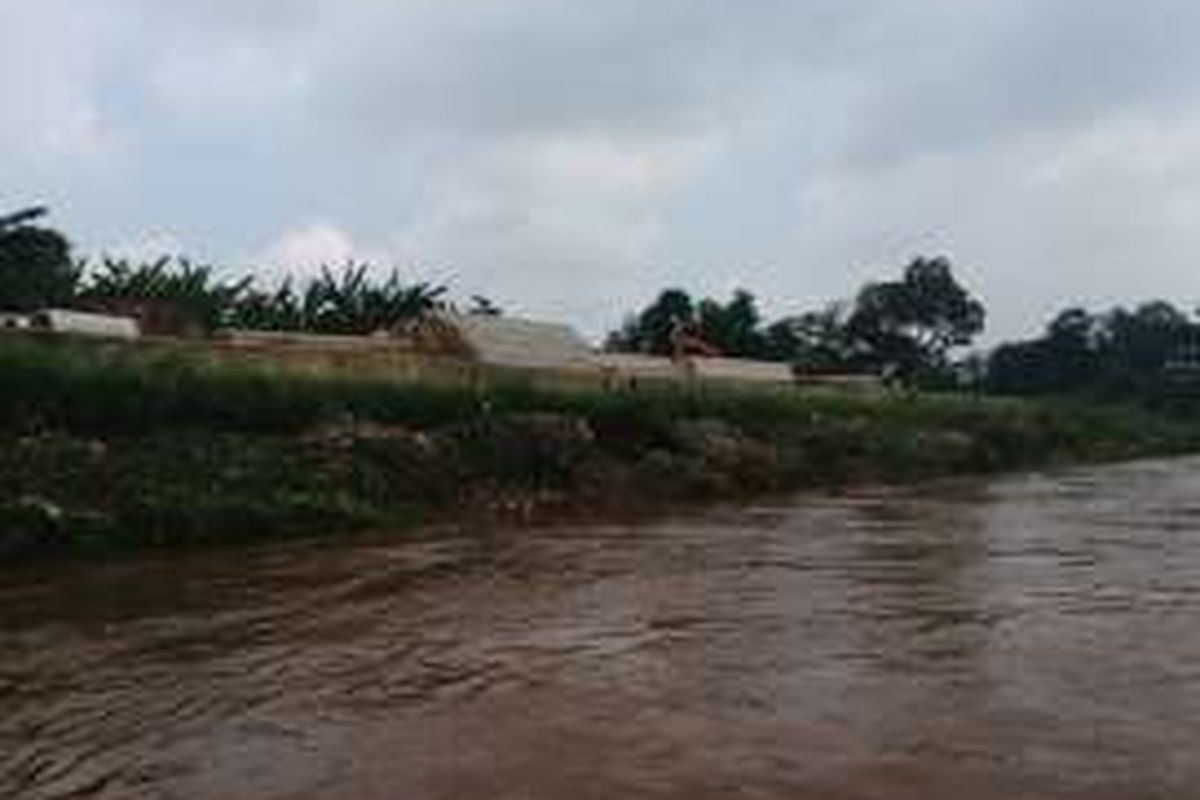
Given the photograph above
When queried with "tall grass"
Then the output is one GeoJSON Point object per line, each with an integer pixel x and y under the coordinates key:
{"type": "Point", "coordinates": [87, 389]}
{"type": "Point", "coordinates": [102, 445]}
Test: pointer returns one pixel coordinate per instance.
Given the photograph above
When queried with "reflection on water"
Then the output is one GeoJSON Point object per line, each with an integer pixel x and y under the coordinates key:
{"type": "Point", "coordinates": [1024, 637]}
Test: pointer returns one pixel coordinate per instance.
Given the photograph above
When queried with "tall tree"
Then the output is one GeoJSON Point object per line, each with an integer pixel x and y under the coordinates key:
{"type": "Point", "coordinates": [912, 324]}
{"type": "Point", "coordinates": [1119, 353]}
{"type": "Point", "coordinates": [815, 341]}
{"type": "Point", "coordinates": [36, 269]}
{"type": "Point", "coordinates": [733, 328]}
{"type": "Point", "coordinates": [650, 330]}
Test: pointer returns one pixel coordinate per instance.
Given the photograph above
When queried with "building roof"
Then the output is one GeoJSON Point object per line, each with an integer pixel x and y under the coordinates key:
{"type": "Point", "coordinates": [522, 343]}
{"type": "Point", "coordinates": [638, 365]}
{"type": "Point", "coordinates": [83, 323]}
{"type": "Point", "coordinates": [742, 369]}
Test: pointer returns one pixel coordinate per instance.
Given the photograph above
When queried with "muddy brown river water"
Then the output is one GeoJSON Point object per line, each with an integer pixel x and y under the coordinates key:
{"type": "Point", "coordinates": [1025, 637]}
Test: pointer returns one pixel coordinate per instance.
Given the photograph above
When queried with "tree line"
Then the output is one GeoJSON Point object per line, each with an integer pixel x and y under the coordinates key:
{"type": "Point", "coordinates": [908, 328]}
{"type": "Point", "coordinates": [914, 328]}
{"type": "Point", "coordinates": [917, 328]}
{"type": "Point", "coordinates": [37, 270]}
{"type": "Point", "coordinates": [1121, 352]}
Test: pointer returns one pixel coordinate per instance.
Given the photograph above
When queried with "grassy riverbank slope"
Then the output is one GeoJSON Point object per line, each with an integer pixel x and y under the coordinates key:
{"type": "Point", "coordinates": [106, 448]}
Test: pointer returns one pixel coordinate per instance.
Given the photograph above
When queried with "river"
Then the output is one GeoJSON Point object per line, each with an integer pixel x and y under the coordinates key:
{"type": "Point", "coordinates": [1035, 636]}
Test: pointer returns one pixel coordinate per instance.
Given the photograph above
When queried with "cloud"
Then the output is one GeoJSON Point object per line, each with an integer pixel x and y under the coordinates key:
{"type": "Point", "coordinates": [238, 79]}
{"type": "Point", "coordinates": [588, 209]}
{"type": "Point", "coordinates": [48, 56]}
{"type": "Point", "coordinates": [305, 250]}
{"type": "Point", "coordinates": [572, 158]}
{"type": "Point", "coordinates": [148, 247]}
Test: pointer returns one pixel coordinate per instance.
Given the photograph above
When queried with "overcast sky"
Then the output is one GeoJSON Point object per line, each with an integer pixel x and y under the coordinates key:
{"type": "Point", "coordinates": [569, 159]}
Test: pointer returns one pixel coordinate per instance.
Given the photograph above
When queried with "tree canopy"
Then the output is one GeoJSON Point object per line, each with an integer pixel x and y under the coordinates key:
{"type": "Point", "coordinates": [36, 269]}
{"type": "Point", "coordinates": [910, 325]}
{"type": "Point", "coordinates": [1119, 353]}
{"type": "Point", "coordinates": [733, 328]}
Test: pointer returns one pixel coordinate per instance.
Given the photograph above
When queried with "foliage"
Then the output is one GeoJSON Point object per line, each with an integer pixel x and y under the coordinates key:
{"type": "Point", "coordinates": [735, 327]}
{"type": "Point", "coordinates": [36, 270]}
{"type": "Point", "coordinates": [345, 302]}
{"type": "Point", "coordinates": [911, 325]}
{"type": "Point", "coordinates": [105, 447]}
{"type": "Point", "coordinates": [815, 342]}
{"type": "Point", "coordinates": [188, 291]}
{"type": "Point", "coordinates": [731, 329]}
{"type": "Point", "coordinates": [1118, 353]}
{"type": "Point", "coordinates": [649, 331]}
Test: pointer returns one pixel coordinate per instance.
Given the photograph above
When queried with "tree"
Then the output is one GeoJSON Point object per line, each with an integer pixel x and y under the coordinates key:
{"type": "Point", "coordinates": [1134, 346]}
{"type": "Point", "coordinates": [36, 270]}
{"type": "Point", "coordinates": [911, 325]}
{"type": "Point", "coordinates": [733, 328]}
{"type": "Point", "coordinates": [1119, 353]}
{"type": "Point", "coordinates": [650, 330]}
{"type": "Point", "coordinates": [167, 295]}
{"type": "Point", "coordinates": [813, 342]}
{"type": "Point", "coordinates": [1070, 350]}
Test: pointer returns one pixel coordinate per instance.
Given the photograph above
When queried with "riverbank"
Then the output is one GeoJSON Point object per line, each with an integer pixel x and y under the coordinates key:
{"type": "Point", "coordinates": [106, 452]}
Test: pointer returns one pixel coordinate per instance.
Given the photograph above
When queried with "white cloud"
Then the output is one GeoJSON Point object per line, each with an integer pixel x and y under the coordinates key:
{"type": "Point", "coordinates": [148, 247]}
{"type": "Point", "coordinates": [242, 78]}
{"type": "Point", "coordinates": [303, 251]}
{"type": "Point", "coordinates": [49, 53]}
{"type": "Point", "coordinates": [571, 158]}
{"type": "Point", "coordinates": [560, 227]}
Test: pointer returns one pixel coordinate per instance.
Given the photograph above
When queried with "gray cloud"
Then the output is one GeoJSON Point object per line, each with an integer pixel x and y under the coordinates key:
{"type": "Point", "coordinates": [571, 158]}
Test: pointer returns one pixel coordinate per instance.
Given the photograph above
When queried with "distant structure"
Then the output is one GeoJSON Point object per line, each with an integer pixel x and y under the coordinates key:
{"type": "Point", "coordinates": [499, 341]}
{"type": "Point", "coordinates": [687, 340]}
{"type": "Point", "coordinates": [10, 321]}
{"type": "Point", "coordinates": [1185, 358]}
{"type": "Point", "coordinates": [629, 369]}
{"type": "Point", "coordinates": [742, 370]}
{"type": "Point", "coordinates": [81, 323]}
{"type": "Point", "coordinates": [441, 347]}
{"type": "Point", "coordinates": [154, 317]}
{"type": "Point", "coordinates": [1182, 367]}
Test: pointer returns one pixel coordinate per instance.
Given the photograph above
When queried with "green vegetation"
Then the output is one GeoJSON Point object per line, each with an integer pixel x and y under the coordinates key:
{"type": "Point", "coordinates": [178, 296]}
{"type": "Point", "coordinates": [911, 329]}
{"type": "Point", "coordinates": [104, 447]}
{"type": "Point", "coordinates": [1151, 353]}
{"type": "Point", "coordinates": [35, 264]}
{"type": "Point", "coordinates": [905, 328]}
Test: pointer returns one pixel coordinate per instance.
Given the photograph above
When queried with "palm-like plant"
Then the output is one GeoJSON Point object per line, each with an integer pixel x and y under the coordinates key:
{"type": "Point", "coordinates": [349, 302]}
{"type": "Point", "coordinates": [189, 290]}
{"type": "Point", "coordinates": [339, 302]}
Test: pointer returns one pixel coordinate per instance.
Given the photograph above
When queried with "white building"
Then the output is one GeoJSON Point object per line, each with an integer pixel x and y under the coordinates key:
{"type": "Point", "coordinates": [10, 321]}
{"type": "Point", "coordinates": [80, 323]}
{"type": "Point", "coordinates": [503, 341]}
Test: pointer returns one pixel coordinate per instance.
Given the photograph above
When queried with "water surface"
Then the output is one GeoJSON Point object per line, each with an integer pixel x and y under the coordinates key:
{"type": "Point", "coordinates": [1028, 637]}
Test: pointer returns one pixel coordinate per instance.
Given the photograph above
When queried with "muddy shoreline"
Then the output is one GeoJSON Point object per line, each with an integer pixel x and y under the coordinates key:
{"type": "Point", "coordinates": [64, 492]}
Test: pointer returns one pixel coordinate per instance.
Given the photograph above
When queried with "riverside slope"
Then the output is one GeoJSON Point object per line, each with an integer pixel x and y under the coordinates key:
{"type": "Point", "coordinates": [98, 454]}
